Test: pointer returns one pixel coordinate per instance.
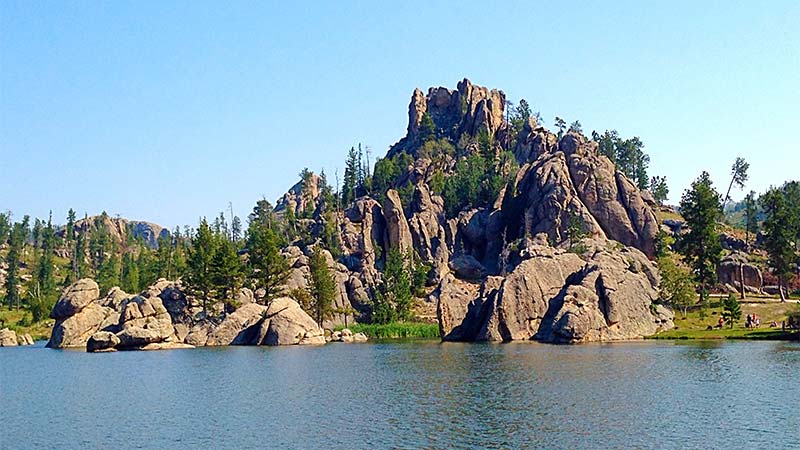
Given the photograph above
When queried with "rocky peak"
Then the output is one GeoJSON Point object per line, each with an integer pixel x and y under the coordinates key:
{"type": "Point", "coordinates": [119, 228]}
{"type": "Point", "coordinates": [303, 195]}
{"type": "Point", "coordinates": [469, 109]}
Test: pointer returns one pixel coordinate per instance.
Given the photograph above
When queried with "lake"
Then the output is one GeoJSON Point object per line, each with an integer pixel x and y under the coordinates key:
{"type": "Point", "coordinates": [649, 395]}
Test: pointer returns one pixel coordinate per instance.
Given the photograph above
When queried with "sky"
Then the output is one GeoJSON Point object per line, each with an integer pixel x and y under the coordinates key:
{"type": "Point", "coordinates": [169, 111]}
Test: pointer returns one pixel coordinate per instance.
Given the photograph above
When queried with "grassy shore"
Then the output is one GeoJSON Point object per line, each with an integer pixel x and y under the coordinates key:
{"type": "Point", "coordinates": [696, 327]}
{"type": "Point", "coordinates": [397, 330]}
{"type": "Point", "coordinates": [19, 320]}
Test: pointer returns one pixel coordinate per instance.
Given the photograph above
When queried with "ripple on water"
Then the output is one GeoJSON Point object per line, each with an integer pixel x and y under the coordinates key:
{"type": "Point", "coordinates": [406, 395]}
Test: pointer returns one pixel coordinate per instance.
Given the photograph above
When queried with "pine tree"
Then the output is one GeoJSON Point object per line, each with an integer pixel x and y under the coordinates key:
{"type": "Point", "coordinates": [236, 229]}
{"type": "Point", "coordinates": [129, 280]}
{"type": "Point", "coordinates": [199, 276]}
{"type": "Point", "coordinates": [396, 286]}
{"type": "Point", "coordinates": [267, 268]}
{"type": "Point", "coordinates": [226, 268]}
{"type": "Point", "coordinates": [779, 236]}
{"type": "Point", "coordinates": [701, 248]}
{"type": "Point", "coordinates": [658, 187]}
{"type": "Point", "coordinates": [5, 227]}
{"type": "Point", "coordinates": [427, 129]}
{"type": "Point", "coordinates": [13, 258]}
{"type": "Point", "coordinates": [351, 173]}
{"type": "Point", "coordinates": [731, 310]}
{"type": "Point", "coordinates": [109, 272]}
{"type": "Point", "coordinates": [738, 177]}
{"type": "Point", "coordinates": [323, 286]}
{"type": "Point", "coordinates": [69, 232]}
{"type": "Point", "coordinates": [78, 260]}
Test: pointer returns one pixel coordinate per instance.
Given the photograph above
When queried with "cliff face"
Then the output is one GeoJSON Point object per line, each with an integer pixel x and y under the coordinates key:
{"type": "Point", "coordinates": [119, 229]}
{"type": "Point", "coordinates": [508, 269]}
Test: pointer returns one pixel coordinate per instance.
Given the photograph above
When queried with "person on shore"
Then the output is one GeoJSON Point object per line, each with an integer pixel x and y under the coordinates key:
{"type": "Point", "coordinates": [748, 321]}
{"type": "Point", "coordinates": [720, 323]}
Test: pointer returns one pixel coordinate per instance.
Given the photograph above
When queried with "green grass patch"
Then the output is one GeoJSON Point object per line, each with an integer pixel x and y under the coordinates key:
{"type": "Point", "coordinates": [19, 320]}
{"type": "Point", "coordinates": [397, 330]}
{"type": "Point", "coordinates": [696, 327]}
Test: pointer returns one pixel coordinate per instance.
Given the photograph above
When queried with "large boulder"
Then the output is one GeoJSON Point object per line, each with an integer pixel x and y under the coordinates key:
{"type": "Point", "coordinates": [75, 330]}
{"type": "Point", "coordinates": [238, 328]}
{"type": "Point", "coordinates": [285, 323]}
{"type": "Point", "coordinates": [734, 268]}
{"type": "Point", "coordinates": [8, 338]}
{"type": "Point", "coordinates": [102, 341]}
{"type": "Point", "coordinates": [75, 298]}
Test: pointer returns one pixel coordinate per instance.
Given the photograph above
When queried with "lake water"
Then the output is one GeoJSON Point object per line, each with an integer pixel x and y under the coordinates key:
{"type": "Point", "coordinates": [649, 395]}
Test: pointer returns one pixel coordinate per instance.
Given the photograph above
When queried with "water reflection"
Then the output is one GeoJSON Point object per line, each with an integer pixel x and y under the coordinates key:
{"type": "Point", "coordinates": [406, 395]}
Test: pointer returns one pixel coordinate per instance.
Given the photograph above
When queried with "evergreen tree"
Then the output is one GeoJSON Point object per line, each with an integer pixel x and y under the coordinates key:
{"type": "Point", "coordinates": [659, 189]}
{"type": "Point", "coordinates": [226, 268]}
{"type": "Point", "coordinates": [236, 229]}
{"type": "Point", "coordinates": [147, 267]}
{"type": "Point", "coordinates": [628, 155]}
{"type": "Point", "coordinates": [200, 275]}
{"type": "Point", "coordinates": [731, 310]}
{"type": "Point", "coordinates": [163, 261]}
{"type": "Point", "coordinates": [576, 127]}
{"type": "Point", "coordinates": [323, 286]}
{"type": "Point", "coordinates": [701, 248]}
{"type": "Point", "coordinates": [69, 232]}
{"type": "Point", "coordinates": [779, 236]}
{"type": "Point", "coordinates": [5, 227]}
{"type": "Point", "coordinates": [427, 129]}
{"type": "Point", "coordinates": [266, 266]}
{"type": "Point", "coordinates": [351, 172]}
{"type": "Point", "coordinates": [129, 280]}
{"type": "Point", "coordinates": [396, 286]}
{"type": "Point", "coordinates": [738, 177]}
{"type": "Point", "coordinates": [108, 275]}
{"type": "Point", "coordinates": [561, 124]}
{"type": "Point", "coordinates": [78, 260]}
{"type": "Point", "coordinates": [13, 259]}
{"type": "Point", "coordinates": [44, 270]}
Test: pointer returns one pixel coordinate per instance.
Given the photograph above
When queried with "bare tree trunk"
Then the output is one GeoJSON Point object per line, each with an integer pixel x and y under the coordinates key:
{"type": "Point", "coordinates": [741, 280]}
{"type": "Point", "coordinates": [780, 289]}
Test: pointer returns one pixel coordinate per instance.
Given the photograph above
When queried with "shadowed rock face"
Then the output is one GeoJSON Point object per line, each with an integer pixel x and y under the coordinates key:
{"type": "Point", "coordinates": [555, 296]}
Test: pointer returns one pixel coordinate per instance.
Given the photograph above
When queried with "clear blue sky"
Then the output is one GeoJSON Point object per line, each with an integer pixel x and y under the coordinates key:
{"type": "Point", "coordinates": [166, 111]}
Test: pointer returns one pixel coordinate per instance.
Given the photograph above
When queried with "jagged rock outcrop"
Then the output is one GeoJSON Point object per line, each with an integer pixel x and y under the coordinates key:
{"type": "Point", "coordinates": [142, 321]}
{"type": "Point", "coordinates": [119, 229]}
{"type": "Point", "coordinates": [576, 182]}
{"type": "Point", "coordinates": [556, 296]}
{"type": "Point", "coordinates": [469, 109]}
{"type": "Point", "coordinates": [397, 230]}
{"type": "Point", "coordinates": [303, 196]}
{"type": "Point", "coordinates": [163, 316]}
